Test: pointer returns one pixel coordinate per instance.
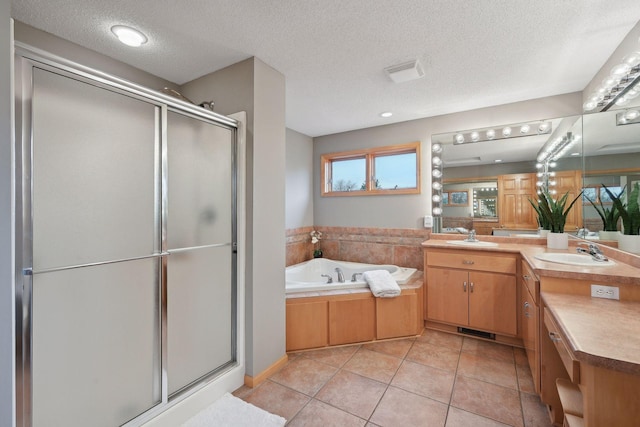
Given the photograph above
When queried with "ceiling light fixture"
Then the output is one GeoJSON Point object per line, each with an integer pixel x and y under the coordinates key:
{"type": "Point", "coordinates": [621, 85]}
{"type": "Point", "coordinates": [405, 72]}
{"type": "Point", "coordinates": [386, 114]}
{"type": "Point", "coordinates": [129, 36]}
{"type": "Point", "coordinates": [628, 117]}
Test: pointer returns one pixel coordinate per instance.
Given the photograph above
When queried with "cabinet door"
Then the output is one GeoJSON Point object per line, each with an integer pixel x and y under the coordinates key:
{"type": "Point", "coordinates": [492, 302]}
{"type": "Point", "coordinates": [307, 325]}
{"type": "Point", "coordinates": [352, 321]}
{"type": "Point", "coordinates": [514, 208]}
{"type": "Point", "coordinates": [447, 295]}
{"type": "Point", "coordinates": [396, 317]}
{"type": "Point", "coordinates": [529, 321]}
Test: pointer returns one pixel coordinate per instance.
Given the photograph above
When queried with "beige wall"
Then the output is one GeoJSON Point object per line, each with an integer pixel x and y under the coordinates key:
{"type": "Point", "coordinates": [406, 211]}
{"type": "Point", "coordinates": [299, 180]}
{"type": "Point", "coordinates": [254, 87]}
{"type": "Point", "coordinates": [7, 386]}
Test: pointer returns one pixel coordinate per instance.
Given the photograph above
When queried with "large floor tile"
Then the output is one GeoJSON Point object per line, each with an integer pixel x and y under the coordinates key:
{"type": "Point", "coordinates": [525, 379]}
{"type": "Point", "coordinates": [424, 380]}
{"type": "Point", "coordinates": [337, 356]}
{"type": "Point", "coordinates": [374, 365]}
{"type": "Point", "coordinates": [353, 393]}
{"type": "Point", "coordinates": [483, 368]}
{"type": "Point", "coordinates": [535, 412]}
{"type": "Point", "coordinates": [489, 400]}
{"type": "Point", "coordinates": [304, 375]}
{"type": "Point", "coordinates": [488, 349]}
{"type": "Point", "coordinates": [459, 418]}
{"type": "Point", "coordinates": [434, 355]}
{"type": "Point", "coordinates": [397, 348]}
{"type": "Point", "coordinates": [277, 399]}
{"type": "Point", "coordinates": [319, 414]}
{"type": "Point", "coordinates": [441, 338]}
{"type": "Point", "coordinates": [401, 408]}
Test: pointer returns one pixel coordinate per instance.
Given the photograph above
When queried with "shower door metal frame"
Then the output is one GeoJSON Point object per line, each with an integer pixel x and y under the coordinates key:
{"type": "Point", "coordinates": [27, 58]}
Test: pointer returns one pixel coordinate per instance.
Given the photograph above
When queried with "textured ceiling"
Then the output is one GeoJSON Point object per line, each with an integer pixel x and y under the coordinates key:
{"type": "Point", "coordinates": [333, 52]}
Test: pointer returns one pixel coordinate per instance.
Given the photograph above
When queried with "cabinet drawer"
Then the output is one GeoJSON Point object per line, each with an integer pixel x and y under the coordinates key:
{"type": "Point", "coordinates": [531, 281]}
{"type": "Point", "coordinates": [472, 260]}
{"type": "Point", "coordinates": [570, 363]}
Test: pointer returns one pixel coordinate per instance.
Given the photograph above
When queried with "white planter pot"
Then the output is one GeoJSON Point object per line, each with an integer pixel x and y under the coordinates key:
{"type": "Point", "coordinates": [608, 235]}
{"type": "Point", "coordinates": [558, 241]}
{"type": "Point", "coordinates": [629, 243]}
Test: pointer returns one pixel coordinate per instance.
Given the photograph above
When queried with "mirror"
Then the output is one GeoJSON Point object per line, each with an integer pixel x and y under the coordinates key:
{"type": "Point", "coordinates": [605, 152]}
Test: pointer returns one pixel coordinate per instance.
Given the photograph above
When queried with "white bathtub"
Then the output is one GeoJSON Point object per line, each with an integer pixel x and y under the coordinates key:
{"type": "Point", "coordinates": [306, 276]}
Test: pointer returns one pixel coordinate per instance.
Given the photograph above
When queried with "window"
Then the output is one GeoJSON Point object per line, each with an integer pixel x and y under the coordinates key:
{"type": "Point", "coordinates": [382, 170]}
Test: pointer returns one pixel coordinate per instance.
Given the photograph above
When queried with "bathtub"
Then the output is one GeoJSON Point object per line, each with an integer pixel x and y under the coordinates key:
{"type": "Point", "coordinates": [306, 276]}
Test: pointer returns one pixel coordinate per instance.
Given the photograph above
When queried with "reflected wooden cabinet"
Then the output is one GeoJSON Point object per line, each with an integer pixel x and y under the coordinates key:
{"type": "Point", "coordinates": [570, 181]}
{"type": "Point", "coordinates": [514, 209]}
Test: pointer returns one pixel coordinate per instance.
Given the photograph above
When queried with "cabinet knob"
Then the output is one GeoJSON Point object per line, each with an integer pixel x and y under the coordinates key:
{"type": "Point", "coordinates": [471, 287]}
{"type": "Point", "coordinates": [554, 337]}
{"type": "Point", "coordinates": [526, 277]}
{"type": "Point", "coordinates": [467, 262]}
{"type": "Point", "coordinates": [526, 309]}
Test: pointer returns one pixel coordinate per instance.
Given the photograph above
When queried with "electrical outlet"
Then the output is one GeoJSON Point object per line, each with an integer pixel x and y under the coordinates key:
{"type": "Point", "coordinates": [602, 291]}
{"type": "Point", "coordinates": [428, 221]}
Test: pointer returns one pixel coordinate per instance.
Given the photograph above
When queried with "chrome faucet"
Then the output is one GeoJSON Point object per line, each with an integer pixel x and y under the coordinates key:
{"type": "Point", "coordinates": [354, 276]}
{"type": "Point", "coordinates": [592, 250]}
{"type": "Point", "coordinates": [471, 237]}
{"type": "Point", "coordinates": [329, 278]}
{"type": "Point", "coordinates": [340, 275]}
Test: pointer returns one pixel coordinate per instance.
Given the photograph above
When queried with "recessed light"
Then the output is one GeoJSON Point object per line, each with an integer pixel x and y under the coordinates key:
{"type": "Point", "coordinates": [129, 36]}
{"type": "Point", "coordinates": [386, 114]}
{"type": "Point", "coordinates": [575, 154]}
{"type": "Point", "coordinates": [498, 160]}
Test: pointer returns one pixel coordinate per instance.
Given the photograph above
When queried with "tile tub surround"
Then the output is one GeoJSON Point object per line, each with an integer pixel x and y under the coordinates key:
{"type": "Point", "coordinates": [396, 246]}
{"type": "Point", "coordinates": [403, 382]}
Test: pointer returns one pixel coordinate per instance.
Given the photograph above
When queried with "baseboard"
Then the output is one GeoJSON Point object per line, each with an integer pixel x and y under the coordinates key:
{"type": "Point", "coordinates": [261, 377]}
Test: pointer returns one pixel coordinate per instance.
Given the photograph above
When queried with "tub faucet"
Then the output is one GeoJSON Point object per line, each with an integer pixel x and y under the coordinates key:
{"type": "Point", "coordinates": [329, 278]}
{"type": "Point", "coordinates": [354, 276]}
{"type": "Point", "coordinates": [471, 237]}
{"type": "Point", "coordinates": [594, 251]}
{"type": "Point", "coordinates": [340, 275]}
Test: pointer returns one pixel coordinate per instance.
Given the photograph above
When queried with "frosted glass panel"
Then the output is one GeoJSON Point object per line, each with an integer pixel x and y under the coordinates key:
{"type": "Point", "coordinates": [96, 344]}
{"type": "Point", "coordinates": [199, 313]}
{"type": "Point", "coordinates": [93, 173]}
{"type": "Point", "coordinates": [199, 190]}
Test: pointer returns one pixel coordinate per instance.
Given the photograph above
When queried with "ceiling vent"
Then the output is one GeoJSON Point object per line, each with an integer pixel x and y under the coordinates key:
{"type": "Point", "coordinates": [405, 72]}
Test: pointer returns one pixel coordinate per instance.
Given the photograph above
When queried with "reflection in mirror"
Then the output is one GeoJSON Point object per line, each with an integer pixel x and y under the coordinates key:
{"type": "Point", "coordinates": [611, 159]}
{"type": "Point", "coordinates": [511, 170]}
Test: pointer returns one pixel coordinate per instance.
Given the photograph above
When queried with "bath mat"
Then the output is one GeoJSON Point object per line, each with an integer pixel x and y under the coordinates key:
{"type": "Point", "coordinates": [229, 411]}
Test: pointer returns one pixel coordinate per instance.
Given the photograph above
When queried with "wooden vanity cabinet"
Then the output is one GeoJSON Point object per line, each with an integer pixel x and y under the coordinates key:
{"type": "Point", "coordinates": [529, 319]}
{"type": "Point", "coordinates": [472, 289]}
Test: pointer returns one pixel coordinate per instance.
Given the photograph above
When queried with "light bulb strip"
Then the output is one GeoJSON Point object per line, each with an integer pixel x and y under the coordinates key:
{"type": "Point", "coordinates": [604, 98]}
{"type": "Point", "coordinates": [506, 132]}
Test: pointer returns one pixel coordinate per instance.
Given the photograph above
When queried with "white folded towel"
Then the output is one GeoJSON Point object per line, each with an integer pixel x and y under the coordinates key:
{"type": "Point", "coordinates": [381, 283]}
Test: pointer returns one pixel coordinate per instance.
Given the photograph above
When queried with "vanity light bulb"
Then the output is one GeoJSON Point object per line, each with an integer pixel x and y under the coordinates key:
{"type": "Point", "coordinates": [553, 164]}
{"type": "Point", "coordinates": [491, 134]}
{"type": "Point", "coordinates": [620, 70]}
{"type": "Point", "coordinates": [436, 211]}
{"type": "Point", "coordinates": [460, 138]}
{"type": "Point", "coordinates": [539, 184]}
{"type": "Point", "coordinates": [436, 160]}
{"type": "Point", "coordinates": [436, 186]}
{"type": "Point", "coordinates": [475, 136]}
{"type": "Point", "coordinates": [632, 59]}
{"type": "Point", "coordinates": [631, 94]}
{"type": "Point", "coordinates": [632, 114]}
{"type": "Point", "coordinates": [552, 183]}
{"type": "Point", "coordinates": [524, 129]}
{"type": "Point", "coordinates": [610, 82]}
{"type": "Point", "coordinates": [543, 127]}
{"type": "Point", "coordinates": [506, 132]}
{"type": "Point", "coordinates": [436, 148]}
{"type": "Point", "coordinates": [436, 198]}
{"type": "Point", "coordinates": [589, 105]}
{"type": "Point", "coordinates": [622, 101]}
{"type": "Point", "coordinates": [552, 174]}
{"type": "Point", "coordinates": [436, 173]}
{"type": "Point", "coordinates": [538, 165]}
{"type": "Point", "coordinates": [539, 174]}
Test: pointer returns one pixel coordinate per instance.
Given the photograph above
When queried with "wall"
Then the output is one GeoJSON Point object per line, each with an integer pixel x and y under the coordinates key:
{"type": "Point", "coordinates": [406, 211]}
{"type": "Point", "coordinates": [254, 87]}
{"type": "Point", "coordinates": [7, 385]}
{"type": "Point", "coordinates": [299, 180]}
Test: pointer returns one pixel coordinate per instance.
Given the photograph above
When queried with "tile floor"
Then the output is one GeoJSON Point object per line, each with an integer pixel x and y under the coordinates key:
{"type": "Point", "coordinates": [437, 379]}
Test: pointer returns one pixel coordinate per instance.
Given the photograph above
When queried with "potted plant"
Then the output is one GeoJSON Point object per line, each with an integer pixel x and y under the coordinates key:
{"type": "Point", "coordinates": [543, 224]}
{"type": "Point", "coordinates": [609, 216]}
{"type": "Point", "coordinates": [315, 240]}
{"type": "Point", "coordinates": [555, 215]}
{"type": "Point", "coordinates": [630, 214]}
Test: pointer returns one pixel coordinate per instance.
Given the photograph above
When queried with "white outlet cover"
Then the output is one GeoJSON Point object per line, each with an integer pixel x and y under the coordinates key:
{"type": "Point", "coordinates": [603, 291]}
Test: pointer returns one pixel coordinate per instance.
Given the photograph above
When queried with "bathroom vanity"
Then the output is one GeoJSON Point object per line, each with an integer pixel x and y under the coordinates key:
{"type": "Point", "coordinates": [584, 352]}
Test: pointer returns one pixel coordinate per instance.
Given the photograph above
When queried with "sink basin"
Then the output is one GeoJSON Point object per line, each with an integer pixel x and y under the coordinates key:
{"type": "Point", "coordinates": [573, 259]}
{"type": "Point", "coordinates": [463, 243]}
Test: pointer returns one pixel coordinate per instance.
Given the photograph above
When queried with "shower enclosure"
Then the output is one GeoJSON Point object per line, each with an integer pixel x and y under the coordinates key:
{"type": "Point", "coordinates": [126, 234]}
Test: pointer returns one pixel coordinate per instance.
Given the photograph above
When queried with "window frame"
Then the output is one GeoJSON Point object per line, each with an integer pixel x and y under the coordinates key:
{"type": "Point", "coordinates": [369, 155]}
